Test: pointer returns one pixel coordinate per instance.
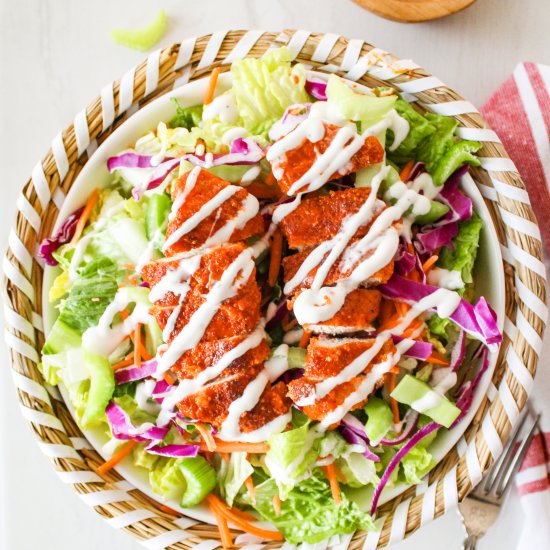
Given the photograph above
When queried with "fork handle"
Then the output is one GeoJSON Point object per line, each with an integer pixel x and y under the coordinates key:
{"type": "Point", "coordinates": [470, 543]}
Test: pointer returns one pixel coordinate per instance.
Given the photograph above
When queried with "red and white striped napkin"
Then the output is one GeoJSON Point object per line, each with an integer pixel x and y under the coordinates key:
{"type": "Point", "coordinates": [519, 112]}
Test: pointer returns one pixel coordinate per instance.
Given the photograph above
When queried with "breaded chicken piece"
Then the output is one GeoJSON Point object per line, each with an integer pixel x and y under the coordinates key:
{"type": "Point", "coordinates": [207, 354]}
{"type": "Point", "coordinates": [329, 211]}
{"type": "Point", "coordinates": [211, 404]}
{"type": "Point", "coordinates": [326, 358]}
{"type": "Point", "coordinates": [295, 163]}
{"type": "Point", "coordinates": [238, 314]}
{"type": "Point", "coordinates": [360, 309]}
{"type": "Point", "coordinates": [339, 270]}
{"type": "Point", "coordinates": [197, 195]}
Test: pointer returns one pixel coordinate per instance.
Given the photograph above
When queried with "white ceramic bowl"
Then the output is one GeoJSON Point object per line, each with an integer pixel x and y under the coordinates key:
{"type": "Point", "coordinates": [489, 272]}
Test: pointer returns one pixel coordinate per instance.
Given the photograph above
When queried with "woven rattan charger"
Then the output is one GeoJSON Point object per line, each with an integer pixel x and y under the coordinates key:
{"type": "Point", "coordinates": [38, 205]}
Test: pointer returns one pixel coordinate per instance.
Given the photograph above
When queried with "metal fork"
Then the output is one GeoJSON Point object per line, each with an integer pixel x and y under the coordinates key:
{"type": "Point", "coordinates": [481, 507]}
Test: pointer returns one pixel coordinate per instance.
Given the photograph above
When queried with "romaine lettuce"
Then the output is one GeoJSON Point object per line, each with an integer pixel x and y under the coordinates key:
{"type": "Point", "coordinates": [309, 513]}
{"type": "Point", "coordinates": [232, 475]}
{"type": "Point", "coordinates": [263, 88]}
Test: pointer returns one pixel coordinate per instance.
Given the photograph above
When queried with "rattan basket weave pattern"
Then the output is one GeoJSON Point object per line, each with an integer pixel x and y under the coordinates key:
{"type": "Point", "coordinates": [75, 461]}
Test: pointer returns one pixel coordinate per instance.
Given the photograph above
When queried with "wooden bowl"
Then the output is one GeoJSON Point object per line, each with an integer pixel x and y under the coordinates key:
{"type": "Point", "coordinates": [414, 11]}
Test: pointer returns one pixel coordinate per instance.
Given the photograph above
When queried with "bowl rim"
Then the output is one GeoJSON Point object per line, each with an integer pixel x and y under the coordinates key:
{"type": "Point", "coordinates": [497, 179]}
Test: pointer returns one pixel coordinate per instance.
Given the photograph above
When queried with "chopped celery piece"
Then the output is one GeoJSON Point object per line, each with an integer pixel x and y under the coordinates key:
{"type": "Point", "coordinates": [200, 479]}
{"type": "Point", "coordinates": [422, 398]}
{"type": "Point", "coordinates": [144, 38]}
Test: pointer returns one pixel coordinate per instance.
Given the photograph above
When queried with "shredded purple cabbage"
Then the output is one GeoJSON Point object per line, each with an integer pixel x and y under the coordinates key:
{"type": "Point", "coordinates": [62, 236]}
{"type": "Point", "coordinates": [129, 374]}
{"type": "Point", "coordinates": [317, 88]}
{"type": "Point", "coordinates": [122, 427]}
{"type": "Point", "coordinates": [478, 320]}
{"type": "Point", "coordinates": [174, 450]}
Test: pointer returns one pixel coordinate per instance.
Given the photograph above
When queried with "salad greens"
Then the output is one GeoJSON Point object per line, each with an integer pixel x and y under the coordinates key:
{"type": "Point", "coordinates": [98, 285]}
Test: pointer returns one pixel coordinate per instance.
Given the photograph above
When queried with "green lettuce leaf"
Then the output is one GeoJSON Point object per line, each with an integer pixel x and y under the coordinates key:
{"type": "Point", "coordinates": [309, 513]}
{"type": "Point", "coordinates": [419, 129]}
{"type": "Point", "coordinates": [90, 294]}
{"type": "Point", "coordinates": [186, 117]}
{"type": "Point", "coordinates": [415, 465]}
{"type": "Point", "coordinates": [232, 475]}
{"type": "Point", "coordinates": [291, 454]}
{"type": "Point", "coordinates": [263, 88]}
{"type": "Point", "coordinates": [357, 470]}
{"type": "Point", "coordinates": [432, 140]}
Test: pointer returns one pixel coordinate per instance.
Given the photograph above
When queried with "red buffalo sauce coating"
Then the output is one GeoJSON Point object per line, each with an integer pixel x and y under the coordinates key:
{"type": "Point", "coordinates": [295, 163]}
{"type": "Point", "coordinates": [326, 359]}
{"type": "Point", "coordinates": [329, 211]}
{"type": "Point", "coordinates": [205, 188]}
{"type": "Point", "coordinates": [360, 309]}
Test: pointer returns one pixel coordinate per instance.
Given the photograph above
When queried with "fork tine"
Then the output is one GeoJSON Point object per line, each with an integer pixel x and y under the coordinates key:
{"type": "Point", "coordinates": [504, 458]}
{"type": "Point", "coordinates": [518, 458]}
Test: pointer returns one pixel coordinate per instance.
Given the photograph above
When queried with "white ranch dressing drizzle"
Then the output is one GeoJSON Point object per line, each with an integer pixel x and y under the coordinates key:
{"type": "Point", "coordinates": [273, 368]}
{"type": "Point", "coordinates": [104, 338]}
{"type": "Point", "coordinates": [445, 278]}
{"type": "Point", "coordinates": [250, 175]}
{"type": "Point", "coordinates": [233, 133]}
{"type": "Point", "coordinates": [249, 208]}
{"type": "Point", "coordinates": [223, 108]}
{"type": "Point", "coordinates": [190, 183]}
{"type": "Point", "coordinates": [190, 386]}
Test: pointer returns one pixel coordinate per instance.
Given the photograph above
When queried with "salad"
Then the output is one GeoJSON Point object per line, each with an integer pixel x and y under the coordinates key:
{"type": "Point", "coordinates": [270, 308]}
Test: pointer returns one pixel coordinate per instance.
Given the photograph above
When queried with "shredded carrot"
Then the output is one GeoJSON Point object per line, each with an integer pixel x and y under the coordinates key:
{"type": "Point", "coordinates": [339, 475]}
{"type": "Point", "coordinates": [304, 340]}
{"type": "Point", "coordinates": [277, 505]}
{"type": "Point", "coordinates": [218, 506]}
{"type": "Point", "coordinates": [243, 515]}
{"type": "Point", "coordinates": [275, 258]}
{"type": "Point", "coordinates": [209, 96]}
{"type": "Point", "coordinates": [438, 359]}
{"type": "Point", "coordinates": [85, 215]}
{"type": "Point", "coordinates": [334, 487]}
{"type": "Point", "coordinates": [138, 345]}
{"type": "Point", "coordinates": [412, 328]}
{"type": "Point", "coordinates": [407, 169]}
{"type": "Point", "coordinates": [236, 447]}
{"type": "Point", "coordinates": [263, 190]}
{"type": "Point", "coordinates": [251, 490]}
{"type": "Point", "coordinates": [429, 263]}
{"type": "Point", "coordinates": [137, 342]}
{"type": "Point", "coordinates": [402, 308]}
{"type": "Point", "coordinates": [207, 436]}
{"type": "Point", "coordinates": [393, 402]}
{"type": "Point", "coordinates": [126, 362]}
{"type": "Point", "coordinates": [124, 451]}
{"type": "Point", "coordinates": [225, 534]}
{"type": "Point", "coordinates": [390, 323]}
{"type": "Point", "coordinates": [169, 379]}
{"type": "Point", "coordinates": [168, 510]}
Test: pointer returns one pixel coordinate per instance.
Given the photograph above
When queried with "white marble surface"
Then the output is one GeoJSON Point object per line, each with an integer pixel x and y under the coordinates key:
{"type": "Point", "coordinates": [54, 57]}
